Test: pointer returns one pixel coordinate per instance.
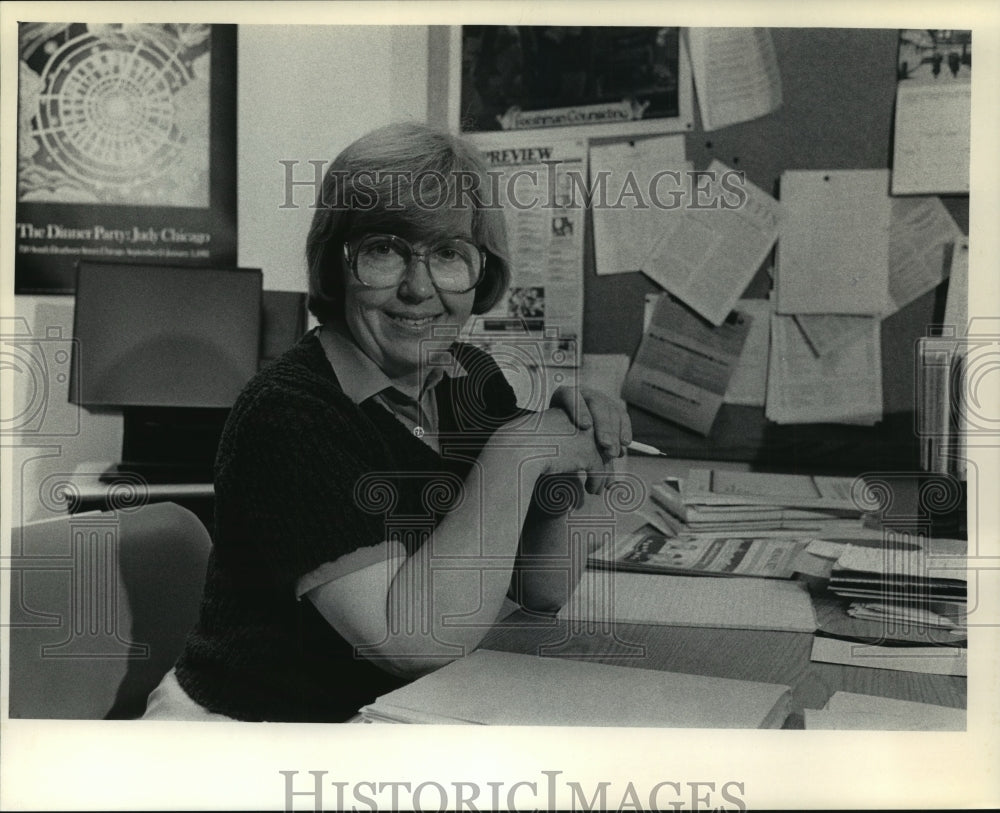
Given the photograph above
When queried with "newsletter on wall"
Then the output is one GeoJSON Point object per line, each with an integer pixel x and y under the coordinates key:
{"type": "Point", "coordinates": [539, 183]}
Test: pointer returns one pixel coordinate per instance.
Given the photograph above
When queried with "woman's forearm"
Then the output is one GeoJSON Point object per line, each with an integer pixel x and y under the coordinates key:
{"type": "Point", "coordinates": [444, 597]}
{"type": "Point", "coordinates": [552, 556]}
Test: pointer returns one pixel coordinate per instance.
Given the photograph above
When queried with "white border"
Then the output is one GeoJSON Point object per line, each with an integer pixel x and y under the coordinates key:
{"type": "Point", "coordinates": [100, 766]}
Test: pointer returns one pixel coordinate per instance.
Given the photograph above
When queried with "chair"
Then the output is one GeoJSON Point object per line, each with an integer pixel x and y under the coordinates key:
{"type": "Point", "coordinates": [100, 605]}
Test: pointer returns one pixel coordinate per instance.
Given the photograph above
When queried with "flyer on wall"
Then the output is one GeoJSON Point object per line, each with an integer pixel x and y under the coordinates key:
{"type": "Point", "coordinates": [540, 182]}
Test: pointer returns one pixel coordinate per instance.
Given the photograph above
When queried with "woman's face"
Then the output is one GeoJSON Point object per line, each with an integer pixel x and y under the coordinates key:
{"type": "Point", "coordinates": [388, 324]}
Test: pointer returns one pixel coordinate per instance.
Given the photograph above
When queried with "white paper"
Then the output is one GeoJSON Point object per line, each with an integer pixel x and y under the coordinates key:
{"type": "Point", "coordinates": [915, 562]}
{"type": "Point", "coordinates": [707, 257]}
{"type": "Point", "coordinates": [921, 235]}
{"type": "Point", "coordinates": [748, 386]}
{"type": "Point", "coordinates": [825, 332]}
{"type": "Point", "coordinates": [847, 710]}
{"type": "Point", "coordinates": [540, 320]}
{"type": "Point", "coordinates": [931, 138]}
{"type": "Point", "coordinates": [735, 74]}
{"type": "Point", "coordinates": [690, 601]}
{"type": "Point", "coordinates": [683, 366]}
{"type": "Point", "coordinates": [833, 253]}
{"type": "Point", "coordinates": [842, 386]}
{"type": "Point", "coordinates": [825, 548]}
{"type": "Point", "coordinates": [928, 660]}
{"type": "Point", "coordinates": [623, 236]}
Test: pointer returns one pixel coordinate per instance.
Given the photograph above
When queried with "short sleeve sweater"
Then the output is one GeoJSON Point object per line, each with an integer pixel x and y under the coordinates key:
{"type": "Point", "coordinates": [303, 476]}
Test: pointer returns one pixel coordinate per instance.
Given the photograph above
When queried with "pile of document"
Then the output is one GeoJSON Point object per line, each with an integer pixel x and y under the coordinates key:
{"type": "Point", "coordinates": [905, 585]}
{"type": "Point", "coordinates": [503, 688]}
{"type": "Point", "coordinates": [726, 502]}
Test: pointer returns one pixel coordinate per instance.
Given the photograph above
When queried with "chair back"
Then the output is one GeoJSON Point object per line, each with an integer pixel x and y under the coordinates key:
{"type": "Point", "coordinates": [101, 603]}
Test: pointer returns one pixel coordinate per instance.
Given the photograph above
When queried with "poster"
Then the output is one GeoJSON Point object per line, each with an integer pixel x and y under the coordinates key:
{"type": "Point", "coordinates": [607, 81]}
{"type": "Point", "coordinates": [126, 148]}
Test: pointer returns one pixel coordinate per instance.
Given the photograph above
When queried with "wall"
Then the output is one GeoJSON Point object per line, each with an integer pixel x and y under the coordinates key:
{"type": "Point", "coordinates": [304, 93]}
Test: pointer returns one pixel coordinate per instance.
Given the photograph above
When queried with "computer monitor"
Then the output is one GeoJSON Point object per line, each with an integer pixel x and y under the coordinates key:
{"type": "Point", "coordinates": [162, 336]}
{"type": "Point", "coordinates": [172, 347]}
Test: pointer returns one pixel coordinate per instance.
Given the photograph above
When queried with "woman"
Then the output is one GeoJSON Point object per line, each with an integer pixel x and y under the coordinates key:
{"type": "Point", "coordinates": [379, 495]}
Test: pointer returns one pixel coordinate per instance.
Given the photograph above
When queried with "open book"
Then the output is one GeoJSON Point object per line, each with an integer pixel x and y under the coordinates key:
{"type": "Point", "coordinates": [503, 688]}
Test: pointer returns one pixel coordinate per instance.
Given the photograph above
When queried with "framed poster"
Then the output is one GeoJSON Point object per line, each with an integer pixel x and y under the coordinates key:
{"type": "Point", "coordinates": [595, 81]}
{"type": "Point", "coordinates": [126, 148]}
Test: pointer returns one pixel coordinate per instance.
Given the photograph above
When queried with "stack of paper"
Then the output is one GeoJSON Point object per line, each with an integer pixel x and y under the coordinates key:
{"type": "Point", "coordinates": [724, 502]}
{"type": "Point", "coordinates": [501, 688]}
{"type": "Point", "coordinates": [908, 576]}
{"type": "Point", "coordinates": [846, 710]}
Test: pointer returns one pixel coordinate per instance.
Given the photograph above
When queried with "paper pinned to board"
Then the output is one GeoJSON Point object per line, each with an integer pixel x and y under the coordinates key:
{"type": "Point", "coordinates": [735, 74]}
{"type": "Point", "coordinates": [748, 386]}
{"type": "Point", "coordinates": [632, 185]}
{"type": "Point", "coordinates": [931, 138]}
{"type": "Point", "coordinates": [709, 252]}
{"type": "Point", "coordinates": [825, 332]}
{"type": "Point", "coordinates": [737, 602]}
{"type": "Point", "coordinates": [921, 236]}
{"type": "Point", "coordinates": [683, 366]}
{"type": "Point", "coordinates": [842, 386]}
{"type": "Point", "coordinates": [833, 255]}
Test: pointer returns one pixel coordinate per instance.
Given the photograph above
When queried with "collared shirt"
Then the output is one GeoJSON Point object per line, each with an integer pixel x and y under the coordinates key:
{"type": "Point", "coordinates": [362, 379]}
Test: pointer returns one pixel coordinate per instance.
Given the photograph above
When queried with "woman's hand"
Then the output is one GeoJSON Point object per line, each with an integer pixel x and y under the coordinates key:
{"type": "Point", "coordinates": [588, 408]}
{"type": "Point", "coordinates": [603, 427]}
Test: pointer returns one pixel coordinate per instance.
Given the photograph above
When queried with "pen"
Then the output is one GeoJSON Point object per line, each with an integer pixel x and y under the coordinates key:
{"type": "Point", "coordinates": [645, 448]}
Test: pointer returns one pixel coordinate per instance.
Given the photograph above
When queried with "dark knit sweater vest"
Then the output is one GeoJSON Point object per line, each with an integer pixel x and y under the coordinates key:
{"type": "Point", "coordinates": [303, 476]}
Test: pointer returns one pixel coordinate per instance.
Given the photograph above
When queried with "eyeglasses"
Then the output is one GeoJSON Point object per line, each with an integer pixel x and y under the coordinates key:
{"type": "Point", "coordinates": [381, 260]}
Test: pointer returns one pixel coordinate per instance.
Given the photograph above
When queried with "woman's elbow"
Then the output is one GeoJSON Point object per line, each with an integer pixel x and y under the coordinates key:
{"type": "Point", "coordinates": [406, 665]}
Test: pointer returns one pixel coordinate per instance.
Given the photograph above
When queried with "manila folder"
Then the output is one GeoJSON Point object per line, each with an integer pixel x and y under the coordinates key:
{"type": "Point", "coordinates": [503, 688]}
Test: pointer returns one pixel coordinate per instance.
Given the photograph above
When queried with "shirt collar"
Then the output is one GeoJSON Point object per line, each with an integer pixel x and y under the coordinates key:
{"type": "Point", "coordinates": [360, 377]}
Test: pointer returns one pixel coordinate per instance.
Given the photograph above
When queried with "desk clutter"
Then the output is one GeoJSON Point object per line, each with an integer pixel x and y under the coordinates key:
{"type": "Point", "coordinates": [869, 600]}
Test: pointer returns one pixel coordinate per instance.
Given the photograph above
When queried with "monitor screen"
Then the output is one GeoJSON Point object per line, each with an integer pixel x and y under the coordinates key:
{"type": "Point", "coordinates": [164, 336]}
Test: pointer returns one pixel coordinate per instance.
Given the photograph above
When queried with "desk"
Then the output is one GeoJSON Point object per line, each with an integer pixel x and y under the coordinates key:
{"type": "Point", "coordinates": [761, 655]}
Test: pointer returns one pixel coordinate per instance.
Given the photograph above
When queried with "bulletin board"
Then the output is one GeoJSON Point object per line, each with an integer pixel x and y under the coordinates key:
{"type": "Point", "coordinates": [838, 89]}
